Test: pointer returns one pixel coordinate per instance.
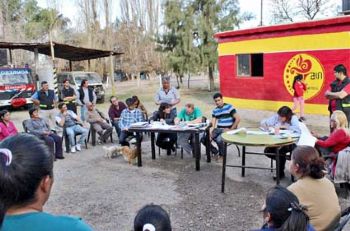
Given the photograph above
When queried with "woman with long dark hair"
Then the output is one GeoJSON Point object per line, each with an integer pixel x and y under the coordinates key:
{"type": "Point", "coordinates": [283, 120]}
{"type": "Point", "coordinates": [26, 176]}
{"type": "Point", "coordinates": [7, 127]}
{"type": "Point", "coordinates": [313, 189]}
{"type": "Point", "coordinates": [282, 211]}
{"type": "Point", "coordinates": [152, 217]}
{"type": "Point", "coordinates": [167, 116]}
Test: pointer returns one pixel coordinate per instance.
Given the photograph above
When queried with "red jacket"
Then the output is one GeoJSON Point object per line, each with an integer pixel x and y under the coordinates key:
{"type": "Point", "coordinates": [299, 88]}
{"type": "Point", "coordinates": [337, 141]}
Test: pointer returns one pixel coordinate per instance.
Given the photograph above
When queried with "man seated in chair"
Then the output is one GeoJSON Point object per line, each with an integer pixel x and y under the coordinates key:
{"type": "Point", "coordinates": [68, 120]}
{"type": "Point", "coordinates": [114, 112]}
{"type": "Point", "coordinates": [39, 127]}
{"type": "Point", "coordinates": [190, 115]}
{"type": "Point", "coordinates": [224, 118]}
{"type": "Point", "coordinates": [98, 122]}
{"type": "Point", "coordinates": [129, 116]}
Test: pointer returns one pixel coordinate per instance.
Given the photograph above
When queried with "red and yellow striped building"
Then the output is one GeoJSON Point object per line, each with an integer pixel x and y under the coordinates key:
{"type": "Point", "coordinates": [257, 66]}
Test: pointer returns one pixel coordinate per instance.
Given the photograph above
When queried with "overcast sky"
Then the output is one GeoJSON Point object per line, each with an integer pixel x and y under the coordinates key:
{"type": "Point", "coordinates": [69, 10]}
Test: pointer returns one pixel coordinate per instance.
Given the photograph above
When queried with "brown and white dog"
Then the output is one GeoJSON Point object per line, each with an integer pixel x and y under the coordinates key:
{"type": "Point", "coordinates": [128, 153]}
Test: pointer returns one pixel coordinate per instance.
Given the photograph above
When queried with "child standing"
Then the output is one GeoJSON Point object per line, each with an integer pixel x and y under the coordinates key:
{"type": "Point", "coordinates": [299, 88]}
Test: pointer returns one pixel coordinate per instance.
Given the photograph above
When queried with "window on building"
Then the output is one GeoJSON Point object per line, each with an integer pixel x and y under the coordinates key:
{"type": "Point", "coordinates": [250, 65]}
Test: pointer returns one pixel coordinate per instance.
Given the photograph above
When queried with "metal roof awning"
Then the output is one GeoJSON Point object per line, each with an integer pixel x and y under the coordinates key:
{"type": "Point", "coordinates": [62, 51]}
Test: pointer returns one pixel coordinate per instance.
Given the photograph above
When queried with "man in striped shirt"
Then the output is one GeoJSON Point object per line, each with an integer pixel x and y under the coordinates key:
{"type": "Point", "coordinates": [225, 117]}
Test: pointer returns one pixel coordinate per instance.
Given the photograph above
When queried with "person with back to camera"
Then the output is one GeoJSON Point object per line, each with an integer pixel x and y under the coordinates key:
{"type": "Point", "coordinates": [282, 211]}
{"type": "Point", "coordinates": [152, 218]}
{"type": "Point", "coordinates": [26, 181]}
{"type": "Point", "coordinates": [313, 189]}
{"type": "Point", "coordinates": [299, 88]}
{"type": "Point", "coordinates": [283, 119]}
{"type": "Point", "coordinates": [7, 127]}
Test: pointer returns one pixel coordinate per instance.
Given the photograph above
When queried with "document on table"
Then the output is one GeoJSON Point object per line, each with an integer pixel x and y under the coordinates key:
{"type": "Point", "coordinates": [139, 124]}
{"type": "Point", "coordinates": [235, 131]}
{"type": "Point", "coordinates": [306, 138]}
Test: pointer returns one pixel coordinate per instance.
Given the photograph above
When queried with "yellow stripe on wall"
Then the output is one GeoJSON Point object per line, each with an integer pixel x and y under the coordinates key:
{"type": "Point", "coordinates": [275, 105]}
{"type": "Point", "coordinates": [338, 40]}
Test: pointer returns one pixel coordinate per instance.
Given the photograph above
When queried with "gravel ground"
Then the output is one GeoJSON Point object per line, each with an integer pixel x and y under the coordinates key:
{"type": "Point", "coordinates": [107, 193]}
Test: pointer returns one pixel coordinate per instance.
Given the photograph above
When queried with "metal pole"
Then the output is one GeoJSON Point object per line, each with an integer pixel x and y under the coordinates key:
{"type": "Point", "coordinates": [36, 58]}
{"type": "Point", "coordinates": [10, 56]}
{"type": "Point", "coordinates": [112, 73]}
{"type": "Point", "coordinates": [261, 12]}
{"type": "Point", "coordinates": [70, 65]}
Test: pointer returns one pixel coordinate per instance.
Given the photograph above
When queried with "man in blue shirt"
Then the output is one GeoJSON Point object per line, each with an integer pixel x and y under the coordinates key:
{"type": "Point", "coordinates": [224, 118]}
{"type": "Point", "coordinates": [129, 116]}
{"type": "Point", "coordinates": [46, 99]}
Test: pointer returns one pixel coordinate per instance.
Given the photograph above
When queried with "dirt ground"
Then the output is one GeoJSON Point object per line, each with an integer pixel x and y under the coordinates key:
{"type": "Point", "coordinates": [107, 193]}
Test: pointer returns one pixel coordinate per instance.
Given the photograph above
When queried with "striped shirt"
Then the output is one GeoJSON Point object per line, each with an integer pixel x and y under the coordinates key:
{"type": "Point", "coordinates": [224, 115]}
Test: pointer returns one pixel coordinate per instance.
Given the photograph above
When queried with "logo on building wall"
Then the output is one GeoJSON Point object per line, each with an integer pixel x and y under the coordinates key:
{"type": "Point", "coordinates": [310, 68]}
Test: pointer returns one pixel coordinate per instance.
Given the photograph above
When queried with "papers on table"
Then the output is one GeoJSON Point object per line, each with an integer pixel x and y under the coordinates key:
{"type": "Point", "coordinates": [306, 138]}
{"type": "Point", "coordinates": [257, 133]}
{"type": "Point", "coordinates": [235, 131]}
{"type": "Point", "coordinates": [139, 125]}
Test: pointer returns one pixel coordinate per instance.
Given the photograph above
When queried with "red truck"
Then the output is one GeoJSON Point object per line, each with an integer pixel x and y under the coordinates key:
{"type": "Point", "coordinates": [16, 87]}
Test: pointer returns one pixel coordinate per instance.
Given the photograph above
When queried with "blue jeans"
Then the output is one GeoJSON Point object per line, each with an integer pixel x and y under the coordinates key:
{"type": "Point", "coordinates": [117, 128]}
{"type": "Point", "coordinates": [83, 111]}
{"type": "Point", "coordinates": [76, 129]}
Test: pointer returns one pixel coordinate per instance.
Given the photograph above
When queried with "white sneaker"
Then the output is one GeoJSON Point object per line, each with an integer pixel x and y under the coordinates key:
{"type": "Point", "coordinates": [72, 150]}
{"type": "Point", "coordinates": [78, 147]}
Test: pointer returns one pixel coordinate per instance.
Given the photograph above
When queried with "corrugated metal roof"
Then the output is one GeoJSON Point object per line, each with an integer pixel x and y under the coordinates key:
{"type": "Point", "coordinates": [62, 51]}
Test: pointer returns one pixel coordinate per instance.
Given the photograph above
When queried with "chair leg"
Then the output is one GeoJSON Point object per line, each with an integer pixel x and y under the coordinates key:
{"type": "Point", "coordinates": [182, 153]}
{"type": "Point", "coordinates": [158, 151]}
{"type": "Point", "coordinates": [271, 165]}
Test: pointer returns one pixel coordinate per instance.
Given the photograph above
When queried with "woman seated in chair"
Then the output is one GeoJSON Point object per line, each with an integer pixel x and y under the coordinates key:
{"type": "Point", "coordinates": [140, 106]}
{"type": "Point", "coordinates": [165, 115]}
{"type": "Point", "coordinates": [26, 181]}
{"type": "Point", "coordinates": [283, 120]}
{"type": "Point", "coordinates": [282, 211]}
{"type": "Point", "coordinates": [313, 189]}
{"type": "Point", "coordinates": [7, 127]}
{"type": "Point", "coordinates": [337, 140]}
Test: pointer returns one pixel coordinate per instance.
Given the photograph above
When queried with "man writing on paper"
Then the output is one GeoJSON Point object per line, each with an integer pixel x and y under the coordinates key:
{"type": "Point", "coordinates": [191, 115]}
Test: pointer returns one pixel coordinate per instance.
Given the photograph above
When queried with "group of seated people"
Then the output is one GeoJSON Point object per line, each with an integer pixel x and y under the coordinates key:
{"type": "Point", "coordinates": [27, 180]}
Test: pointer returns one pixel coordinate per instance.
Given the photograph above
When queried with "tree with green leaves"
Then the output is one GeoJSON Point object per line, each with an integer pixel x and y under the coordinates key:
{"type": "Point", "coordinates": [189, 36]}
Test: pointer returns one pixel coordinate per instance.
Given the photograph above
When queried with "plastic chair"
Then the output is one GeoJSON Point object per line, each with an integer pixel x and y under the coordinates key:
{"type": "Point", "coordinates": [66, 140]}
{"type": "Point", "coordinates": [344, 219]}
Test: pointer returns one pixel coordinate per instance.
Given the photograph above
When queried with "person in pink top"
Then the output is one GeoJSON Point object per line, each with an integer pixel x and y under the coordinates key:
{"type": "Point", "coordinates": [298, 98]}
{"type": "Point", "coordinates": [7, 127]}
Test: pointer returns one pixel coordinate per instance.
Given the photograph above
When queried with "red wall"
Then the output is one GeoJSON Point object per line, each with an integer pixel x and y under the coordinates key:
{"type": "Point", "coordinates": [271, 86]}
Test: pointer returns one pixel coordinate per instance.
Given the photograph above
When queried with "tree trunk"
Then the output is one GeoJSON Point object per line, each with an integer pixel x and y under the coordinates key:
{"type": "Point", "coordinates": [211, 78]}
{"type": "Point", "coordinates": [178, 83]}
{"type": "Point", "coordinates": [188, 80]}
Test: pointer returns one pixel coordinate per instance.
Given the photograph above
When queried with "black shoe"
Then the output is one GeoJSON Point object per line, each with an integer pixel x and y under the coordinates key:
{"type": "Point", "coordinates": [214, 150]}
{"type": "Point", "coordinates": [60, 157]}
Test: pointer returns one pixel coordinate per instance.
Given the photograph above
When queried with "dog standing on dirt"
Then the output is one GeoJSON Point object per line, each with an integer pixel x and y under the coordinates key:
{"type": "Point", "coordinates": [128, 153]}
